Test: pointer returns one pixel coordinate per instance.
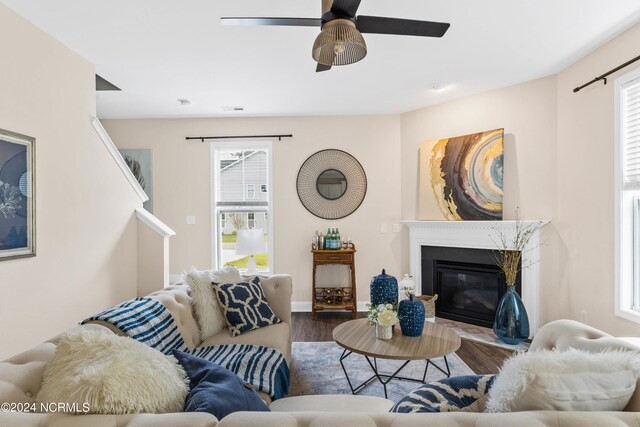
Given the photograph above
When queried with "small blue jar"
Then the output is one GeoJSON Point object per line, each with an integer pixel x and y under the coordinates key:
{"type": "Point", "coordinates": [383, 289]}
{"type": "Point", "coordinates": [411, 314]}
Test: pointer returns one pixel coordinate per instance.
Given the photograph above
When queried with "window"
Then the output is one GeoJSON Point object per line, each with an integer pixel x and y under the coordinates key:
{"type": "Point", "coordinates": [251, 191]}
{"type": "Point", "coordinates": [627, 194]}
{"type": "Point", "coordinates": [263, 188]}
{"type": "Point", "coordinates": [237, 170]}
{"type": "Point", "coordinates": [636, 253]}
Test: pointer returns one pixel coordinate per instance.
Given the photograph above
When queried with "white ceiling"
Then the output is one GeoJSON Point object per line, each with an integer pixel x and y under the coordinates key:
{"type": "Point", "coordinates": [158, 51]}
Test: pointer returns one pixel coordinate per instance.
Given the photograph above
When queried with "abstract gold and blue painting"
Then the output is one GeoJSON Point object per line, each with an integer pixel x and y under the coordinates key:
{"type": "Point", "coordinates": [461, 177]}
{"type": "Point", "coordinates": [17, 195]}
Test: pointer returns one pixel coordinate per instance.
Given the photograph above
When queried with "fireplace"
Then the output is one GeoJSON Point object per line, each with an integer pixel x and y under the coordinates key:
{"type": "Point", "coordinates": [476, 235]}
{"type": "Point", "coordinates": [468, 282]}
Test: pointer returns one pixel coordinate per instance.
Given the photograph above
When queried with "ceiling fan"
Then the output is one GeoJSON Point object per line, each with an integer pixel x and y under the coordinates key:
{"type": "Point", "coordinates": [340, 41]}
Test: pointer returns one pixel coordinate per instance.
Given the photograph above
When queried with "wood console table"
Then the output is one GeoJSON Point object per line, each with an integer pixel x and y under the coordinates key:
{"type": "Point", "coordinates": [334, 298]}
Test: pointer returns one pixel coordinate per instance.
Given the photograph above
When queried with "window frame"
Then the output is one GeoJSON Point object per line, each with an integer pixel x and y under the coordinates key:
{"type": "Point", "coordinates": [636, 253]}
{"type": "Point", "coordinates": [627, 219]}
{"type": "Point", "coordinates": [216, 235]}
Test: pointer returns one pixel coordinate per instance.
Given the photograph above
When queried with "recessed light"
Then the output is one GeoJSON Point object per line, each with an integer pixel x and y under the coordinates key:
{"type": "Point", "coordinates": [232, 108]}
{"type": "Point", "coordinates": [439, 86]}
{"type": "Point", "coordinates": [184, 102]}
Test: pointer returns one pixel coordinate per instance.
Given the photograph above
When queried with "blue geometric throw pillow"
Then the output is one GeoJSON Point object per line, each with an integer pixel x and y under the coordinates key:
{"type": "Point", "coordinates": [455, 394]}
{"type": "Point", "coordinates": [245, 306]}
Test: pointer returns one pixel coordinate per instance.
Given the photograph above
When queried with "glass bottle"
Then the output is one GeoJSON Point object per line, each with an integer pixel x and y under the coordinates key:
{"type": "Point", "coordinates": [338, 244]}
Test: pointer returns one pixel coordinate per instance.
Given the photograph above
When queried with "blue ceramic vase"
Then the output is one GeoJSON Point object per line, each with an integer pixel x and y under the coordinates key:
{"type": "Point", "coordinates": [411, 314]}
{"type": "Point", "coordinates": [512, 323]}
{"type": "Point", "coordinates": [383, 289]}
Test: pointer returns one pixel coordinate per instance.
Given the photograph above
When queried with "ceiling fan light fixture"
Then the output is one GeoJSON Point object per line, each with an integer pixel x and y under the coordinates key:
{"type": "Point", "coordinates": [339, 43]}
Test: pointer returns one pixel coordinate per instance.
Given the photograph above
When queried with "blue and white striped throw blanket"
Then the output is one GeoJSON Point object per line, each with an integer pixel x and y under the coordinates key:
{"type": "Point", "coordinates": [149, 322]}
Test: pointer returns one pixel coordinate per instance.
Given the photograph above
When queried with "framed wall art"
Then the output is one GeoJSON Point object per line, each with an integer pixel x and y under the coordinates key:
{"type": "Point", "coordinates": [139, 161]}
{"type": "Point", "coordinates": [461, 177]}
{"type": "Point", "coordinates": [17, 196]}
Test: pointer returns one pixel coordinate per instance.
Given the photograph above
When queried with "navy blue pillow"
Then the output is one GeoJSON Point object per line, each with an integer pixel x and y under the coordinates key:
{"type": "Point", "coordinates": [447, 395]}
{"type": "Point", "coordinates": [245, 306]}
{"type": "Point", "coordinates": [216, 390]}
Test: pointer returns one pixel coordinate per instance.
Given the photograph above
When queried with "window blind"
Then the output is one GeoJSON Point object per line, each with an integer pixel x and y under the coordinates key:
{"type": "Point", "coordinates": [631, 134]}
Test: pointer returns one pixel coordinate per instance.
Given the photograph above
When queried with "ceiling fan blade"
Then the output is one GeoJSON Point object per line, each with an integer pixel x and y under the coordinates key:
{"type": "Point", "coordinates": [325, 67]}
{"type": "Point", "coordinates": [402, 27]}
{"type": "Point", "coordinates": [345, 7]}
{"type": "Point", "coordinates": [321, 67]}
{"type": "Point", "coordinates": [287, 22]}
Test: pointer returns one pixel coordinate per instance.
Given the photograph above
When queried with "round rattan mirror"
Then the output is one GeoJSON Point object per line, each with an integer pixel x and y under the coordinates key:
{"type": "Point", "coordinates": [331, 184]}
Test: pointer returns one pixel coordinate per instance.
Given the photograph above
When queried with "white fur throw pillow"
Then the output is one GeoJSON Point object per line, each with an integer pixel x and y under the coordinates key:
{"type": "Point", "coordinates": [571, 380]}
{"type": "Point", "coordinates": [99, 372]}
{"type": "Point", "coordinates": [207, 311]}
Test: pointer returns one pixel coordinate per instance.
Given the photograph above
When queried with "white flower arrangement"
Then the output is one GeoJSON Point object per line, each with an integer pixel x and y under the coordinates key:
{"type": "Point", "coordinates": [383, 314]}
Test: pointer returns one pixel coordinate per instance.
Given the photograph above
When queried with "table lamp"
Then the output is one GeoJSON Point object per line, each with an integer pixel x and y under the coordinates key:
{"type": "Point", "coordinates": [251, 242]}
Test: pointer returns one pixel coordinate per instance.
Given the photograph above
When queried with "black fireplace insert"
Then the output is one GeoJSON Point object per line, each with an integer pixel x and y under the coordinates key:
{"type": "Point", "coordinates": [468, 282]}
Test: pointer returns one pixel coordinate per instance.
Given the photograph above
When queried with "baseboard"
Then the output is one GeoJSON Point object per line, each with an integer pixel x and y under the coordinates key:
{"type": "Point", "coordinates": [305, 306]}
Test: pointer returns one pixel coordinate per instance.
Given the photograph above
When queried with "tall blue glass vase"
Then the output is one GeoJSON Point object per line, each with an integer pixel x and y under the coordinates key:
{"type": "Point", "coordinates": [512, 323]}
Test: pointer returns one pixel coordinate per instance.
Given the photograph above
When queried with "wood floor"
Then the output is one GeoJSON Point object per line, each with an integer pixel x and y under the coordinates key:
{"type": "Point", "coordinates": [481, 358]}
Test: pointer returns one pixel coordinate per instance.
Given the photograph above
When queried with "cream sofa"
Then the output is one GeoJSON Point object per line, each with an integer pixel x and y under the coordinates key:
{"type": "Point", "coordinates": [20, 379]}
{"type": "Point", "coordinates": [358, 411]}
{"type": "Point", "coordinates": [21, 375]}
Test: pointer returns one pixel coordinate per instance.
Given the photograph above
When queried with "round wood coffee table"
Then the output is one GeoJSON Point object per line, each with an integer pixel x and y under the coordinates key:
{"type": "Point", "coordinates": [355, 336]}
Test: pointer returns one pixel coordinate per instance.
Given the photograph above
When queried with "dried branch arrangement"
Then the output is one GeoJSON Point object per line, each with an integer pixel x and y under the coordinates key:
{"type": "Point", "coordinates": [509, 253]}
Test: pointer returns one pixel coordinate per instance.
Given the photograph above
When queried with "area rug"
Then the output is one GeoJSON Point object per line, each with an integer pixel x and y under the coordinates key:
{"type": "Point", "coordinates": [315, 369]}
{"type": "Point", "coordinates": [479, 334]}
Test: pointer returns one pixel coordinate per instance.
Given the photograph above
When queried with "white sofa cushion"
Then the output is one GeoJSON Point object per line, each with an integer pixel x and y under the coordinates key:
{"type": "Point", "coordinates": [207, 311]}
{"type": "Point", "coordinates": [571, 380]}
{"type": "Point", "coordinates": [333, 403]}
{"type": "Point", "coordinates": [98, 372]}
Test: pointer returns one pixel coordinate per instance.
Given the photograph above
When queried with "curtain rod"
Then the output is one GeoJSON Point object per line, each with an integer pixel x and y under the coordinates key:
{"type": "Point", "coordinates": [202, 138]}
{"type": "Point", "coordinates": [605, 75]}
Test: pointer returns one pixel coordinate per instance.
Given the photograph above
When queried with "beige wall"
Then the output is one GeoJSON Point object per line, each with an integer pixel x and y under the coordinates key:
{"type": "Point", "coordinates": [153, 260]}
{"type": "Point", "coordinates": [528, 113]}
{"type": "Point", "coordinates": [585, 219]}
{"type": "Point", "coordinates": [559, 149]}
{"type": "Point", "coordinates": [181, 174]}
{"type": "Point", "coordinates": [86, 236]}
{"type": "Point", "coordinates": [559, 166]}
{"type": "Point", "coordinates": [558, 146]}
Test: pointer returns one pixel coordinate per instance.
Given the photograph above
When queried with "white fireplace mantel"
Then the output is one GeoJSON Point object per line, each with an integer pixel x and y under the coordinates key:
{"type": "Point", "coordinates": [480, 235]}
